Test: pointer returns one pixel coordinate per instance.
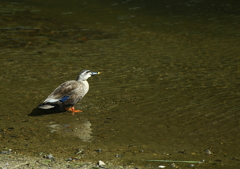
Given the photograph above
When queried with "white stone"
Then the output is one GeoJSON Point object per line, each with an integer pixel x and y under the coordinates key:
{"type": "Point", "coordinates": [101, 163]}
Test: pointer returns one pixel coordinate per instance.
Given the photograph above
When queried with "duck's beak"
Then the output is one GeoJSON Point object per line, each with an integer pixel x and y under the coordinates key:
{"type": "Point", "coordinates": [96, 73]}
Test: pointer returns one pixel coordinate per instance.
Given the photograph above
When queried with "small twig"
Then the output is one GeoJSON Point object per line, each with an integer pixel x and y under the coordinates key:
{"type": "Point", "coordinates": [170, 161]}
{"type": "Point", "coordinates": [21, 164]}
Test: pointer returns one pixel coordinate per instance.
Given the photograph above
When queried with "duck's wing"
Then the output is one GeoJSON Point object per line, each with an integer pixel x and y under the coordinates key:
{"type": "Point", "coordinates": [63, 92]}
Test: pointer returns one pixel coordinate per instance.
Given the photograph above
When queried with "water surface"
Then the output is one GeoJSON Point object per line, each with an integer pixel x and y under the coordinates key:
{"type": "Point", "coordinates": [169, 88]}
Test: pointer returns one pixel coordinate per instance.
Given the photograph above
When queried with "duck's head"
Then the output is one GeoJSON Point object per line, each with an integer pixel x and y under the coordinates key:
{"type": "Point", "coordinates": [85, 74]}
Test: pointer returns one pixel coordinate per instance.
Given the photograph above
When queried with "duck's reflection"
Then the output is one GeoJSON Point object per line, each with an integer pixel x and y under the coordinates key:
{"type": "Point", "coordinates": [82, 130]}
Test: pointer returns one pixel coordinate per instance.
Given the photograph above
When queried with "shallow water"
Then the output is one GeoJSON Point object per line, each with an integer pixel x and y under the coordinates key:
{"type": "Point", "coordinates": [169, 88]}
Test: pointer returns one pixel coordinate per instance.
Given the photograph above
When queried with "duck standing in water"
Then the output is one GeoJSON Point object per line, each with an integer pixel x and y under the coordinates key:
{"type": "Point", "coordinates": [69, 93]}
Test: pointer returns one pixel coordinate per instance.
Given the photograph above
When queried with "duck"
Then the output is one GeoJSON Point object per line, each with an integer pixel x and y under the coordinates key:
{"type": "Point", "coordinates": [66, 95]}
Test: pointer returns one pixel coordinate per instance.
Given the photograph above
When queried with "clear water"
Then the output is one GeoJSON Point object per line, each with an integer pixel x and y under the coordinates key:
{"type": "Point", "coordinates": [169, 88]}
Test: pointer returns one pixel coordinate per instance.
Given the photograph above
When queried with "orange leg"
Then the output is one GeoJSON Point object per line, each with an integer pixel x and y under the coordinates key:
{"type": "Point", "coordinates": [72, 109]}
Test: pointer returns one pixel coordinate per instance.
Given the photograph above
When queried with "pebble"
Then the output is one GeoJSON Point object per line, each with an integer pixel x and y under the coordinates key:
{"type": "Point", "coordinates": [192, 165]}
{"type": "Point", "coordinates": [49, 156]}
{"type": "Point", "coordinates": [208, 152]}
{"type": "Point", "coordinates": [69, 159]}
{"type": "Point", "coordinates": [118, 155]}
{"type": "Point", "coordinates": [99, 150]}
{"type": "Point", "coordinates": [101, 163]}
{"type": "Point", "coordinates": [173, 165]}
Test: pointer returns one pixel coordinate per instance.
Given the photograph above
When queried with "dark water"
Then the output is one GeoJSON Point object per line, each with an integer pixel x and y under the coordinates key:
{"type": "Point", "coordinates": [169, 88]}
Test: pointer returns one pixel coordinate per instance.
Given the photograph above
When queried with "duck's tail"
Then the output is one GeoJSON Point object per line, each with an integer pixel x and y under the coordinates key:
{"type": "Point", "coordinates": [51, 103]}
{"type": "Point", "coordinates": [48, 105]}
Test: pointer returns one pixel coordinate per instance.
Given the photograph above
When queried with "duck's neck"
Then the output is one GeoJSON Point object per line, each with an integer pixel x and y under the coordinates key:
{"type": "Point", "coordinates": [83, 81]}
{"type": "Point", "coordinates": [86, 85]}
